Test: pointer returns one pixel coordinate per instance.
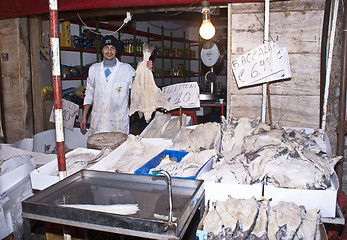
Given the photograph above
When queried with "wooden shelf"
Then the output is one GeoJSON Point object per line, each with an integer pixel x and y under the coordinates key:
{"type": "Point", "coordinates": [74, 49]}
{"type": "Point", "coordinates": [92, 50]}
{"type": "Point", "coordinates": [128, 30]}
{"type": "Point", "coordinates": [73, 78]}
{"type": "Point", "coordinates": [160, 77]}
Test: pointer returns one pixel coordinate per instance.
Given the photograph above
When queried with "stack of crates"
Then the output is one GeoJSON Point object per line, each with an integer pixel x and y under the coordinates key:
{"type": "Point", "coordinates": [65, 35]}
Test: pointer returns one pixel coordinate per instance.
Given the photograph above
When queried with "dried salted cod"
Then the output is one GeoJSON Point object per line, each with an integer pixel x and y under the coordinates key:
{"type": "Point", "coordinates": [246, 212]}
{"type": "Point", "coordinates": [156, 127]}
{"type": "Point", "coordinates": [324, 163]}
{"type": "Point", "coordinates": [253, 143]}
{"type": "Point", "coordinates": [173, 126]}
{"type": "Point", "coordinates": [212, 222]}
{"type": "Point", "coordinates": [284, 221]}
{"type": "Point", "coordinates": [220, 175]}
{"type": "Point", "coordinates": [146, 97]}
{"type": "Point", "coordinates": [121, 209]}
{"type": "Point", "coordinates": [259, 231]}
{"type": "Point", "coordinates": [309, 227]}
{"type": "Point", "coordinates": [189, 164]}
{"type": "Point", "coordinates": [77, 160]}
{"type": "Point", "coordinates": [233, 132]}
{"type": "Point", "coordinates": [228, 220]}
{"type": "Point", "coordinates": [289, 172]}
{"type": "Point", "coordinates": [133, 154]}
{"type": "Point", "coordinates": [204, 136]}
{"type": "Point", "coordinates": [256, 161]}
{"type": "Point", "coordinates": [237, 166]}
{"type": "Point", "coordinates": [299, 139]}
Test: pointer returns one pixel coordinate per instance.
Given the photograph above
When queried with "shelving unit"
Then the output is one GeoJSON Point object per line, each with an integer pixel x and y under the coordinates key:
{"type": "Point", "coordinates": [151, 38]}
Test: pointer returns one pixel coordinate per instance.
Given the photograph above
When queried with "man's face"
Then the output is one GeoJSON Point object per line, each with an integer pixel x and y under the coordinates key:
{"type": "Point", "coordinates": [109, 52]}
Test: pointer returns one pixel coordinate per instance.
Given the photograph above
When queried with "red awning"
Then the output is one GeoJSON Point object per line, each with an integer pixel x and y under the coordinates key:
{"type": "Point", "coordinates": [16, 8]}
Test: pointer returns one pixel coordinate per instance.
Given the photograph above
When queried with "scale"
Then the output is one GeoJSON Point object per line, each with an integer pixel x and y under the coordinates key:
{"type": "Point", "coordinates": [210, 57]}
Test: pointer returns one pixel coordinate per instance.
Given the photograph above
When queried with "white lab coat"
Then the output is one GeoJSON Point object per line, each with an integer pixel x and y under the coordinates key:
{"type": "Point", "coordinates": [110, 99]}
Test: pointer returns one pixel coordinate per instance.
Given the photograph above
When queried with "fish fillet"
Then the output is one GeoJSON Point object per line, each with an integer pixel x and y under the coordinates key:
{"type": "Point", "coordinates": [204, 136]}
{"type": "Point", "coordinates": [246, 212]}
{"type": "Point", "coordinates": [309, 226]}
{"type": "Point", "coordinates": [212, 222]}
{"type": "Point", "coordinates": [228, 220]}
{"type": "Point", "coordinates": [121, 209]}
{"type": "Point", "coordinates": [157, 126]}
{"type": "Point", "coordinates": [284, 221]}
{"type": "Point", "coordinates": [145, 96]}
{"type": "Point", "coordinates": [259, 231]}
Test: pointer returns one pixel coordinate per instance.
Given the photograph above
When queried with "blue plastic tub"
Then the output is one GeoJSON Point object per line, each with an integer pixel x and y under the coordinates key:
{"type": "Point", "coordinates": [154, 162]}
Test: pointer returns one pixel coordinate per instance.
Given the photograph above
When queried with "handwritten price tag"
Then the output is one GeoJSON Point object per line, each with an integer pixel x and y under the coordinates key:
{"type": "Point", "coordinates": [70, 111]}
{"type": "Point", "coordinates": [265, 63]}
{"type": "Point", "coordinates": [185, 95]}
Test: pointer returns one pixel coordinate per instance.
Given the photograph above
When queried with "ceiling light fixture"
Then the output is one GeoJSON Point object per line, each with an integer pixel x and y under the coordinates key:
{"type": "Point", "coordinates": [207, 29]}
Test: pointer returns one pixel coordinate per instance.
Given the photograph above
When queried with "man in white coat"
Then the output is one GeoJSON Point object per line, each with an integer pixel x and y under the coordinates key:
{"type": "Point", "coordinates": [108, 86]}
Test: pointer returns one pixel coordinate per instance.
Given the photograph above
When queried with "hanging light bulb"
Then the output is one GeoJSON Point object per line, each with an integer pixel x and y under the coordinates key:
{"type": "Point", "coordinates": [207, 30]}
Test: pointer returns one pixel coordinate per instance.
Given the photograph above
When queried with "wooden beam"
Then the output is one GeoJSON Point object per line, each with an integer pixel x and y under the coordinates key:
{"type": "Point", "coordinates": [38, 106]}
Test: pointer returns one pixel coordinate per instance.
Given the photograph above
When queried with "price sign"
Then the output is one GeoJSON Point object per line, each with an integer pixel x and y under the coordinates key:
{"type": "Point", "coordinates": [265, 63]}
{"type": "Point", "coordinates": [185, 95]}
{"type": "Point", "coordinates": [70, 111]}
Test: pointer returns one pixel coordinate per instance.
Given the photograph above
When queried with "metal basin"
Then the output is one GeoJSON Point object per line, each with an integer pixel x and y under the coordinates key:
{"type": "Point", "coordinates": [205, 96]}
{"type": "Point", "coordinates": [106, 188]}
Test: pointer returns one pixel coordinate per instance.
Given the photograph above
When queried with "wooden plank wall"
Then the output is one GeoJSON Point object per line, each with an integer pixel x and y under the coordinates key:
{"type": "Point", "coordinates": [296, 25]}
{"type": "Point", "coordinates": [16, 79]}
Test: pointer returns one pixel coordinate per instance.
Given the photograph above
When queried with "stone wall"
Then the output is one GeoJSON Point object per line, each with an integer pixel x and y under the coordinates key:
{"type": "Point", "coordinates": [16, 79]}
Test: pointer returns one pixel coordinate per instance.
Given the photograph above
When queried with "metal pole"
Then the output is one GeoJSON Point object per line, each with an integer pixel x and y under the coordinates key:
{"type": "Point", "coordinates": [266, 39]}
{"type": "Point", "coordinates": [341, 123]}
{"type": "Point", "coordinates": [58, 111]}
{"type": "Point", "coordinates": [330, 57]}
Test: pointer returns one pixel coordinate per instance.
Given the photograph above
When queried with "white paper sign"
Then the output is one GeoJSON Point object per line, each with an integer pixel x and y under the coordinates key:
{"type": "Point", "coordinates": [260, 65]}
{"type": "Point", "coordinates": [185, 95]}
{"type": "Point", "coordinates": [282, 54]}
{"type": "Point", "coordinates": [70, 111]}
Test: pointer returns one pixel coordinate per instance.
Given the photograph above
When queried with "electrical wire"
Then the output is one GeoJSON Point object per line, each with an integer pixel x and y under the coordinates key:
{"type": "Point", "coordinates": [98, 33]}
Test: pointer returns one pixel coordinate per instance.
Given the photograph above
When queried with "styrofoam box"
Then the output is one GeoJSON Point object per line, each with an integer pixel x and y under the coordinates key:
{"type": "Point", "coordinates": [43, 177]}
{"type": "Point", "coordinates": [325, 200]}
{"type": "Point", "coordinates": [179, 155]}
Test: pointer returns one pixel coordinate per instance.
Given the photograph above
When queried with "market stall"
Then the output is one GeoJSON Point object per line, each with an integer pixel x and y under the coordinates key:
{"type": "Point", "coordinates": [255, 179]}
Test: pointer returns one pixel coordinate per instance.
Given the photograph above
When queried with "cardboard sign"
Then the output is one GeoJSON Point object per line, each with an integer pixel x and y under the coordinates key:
{"type": "Point", "coordinates": [185, 95]}
{"type": "Point", "coordinates": [70, 111]}
{"type": "Point", "coordinates": [265, 63]}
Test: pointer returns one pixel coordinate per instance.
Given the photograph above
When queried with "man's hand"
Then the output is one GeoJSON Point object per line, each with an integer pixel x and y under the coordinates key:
{"type": "Point", "coordinates": [150, 65]}
{"type": "Point", "coordinates": [83, 126]}
{"type": "Point", "coordinates": [83, 123]}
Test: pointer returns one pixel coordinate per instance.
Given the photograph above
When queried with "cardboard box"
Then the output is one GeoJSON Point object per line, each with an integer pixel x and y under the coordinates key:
{"type": "Point", "coordinates": [179, 155]}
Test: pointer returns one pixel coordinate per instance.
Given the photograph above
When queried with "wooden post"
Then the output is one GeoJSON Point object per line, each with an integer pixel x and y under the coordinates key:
{"type": "Point", "coordinates": [58, 110]}
{"type": "Point", "coordinates": [180, 116]}
{"type": "Point", "coordinates": [266, 40]}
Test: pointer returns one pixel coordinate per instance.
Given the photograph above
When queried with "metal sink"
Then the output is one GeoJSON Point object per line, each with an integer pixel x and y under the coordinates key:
{"type": "Point", "coordinates": [107, 188]}
{"type": "Point", "coordinates": [206, 96]}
